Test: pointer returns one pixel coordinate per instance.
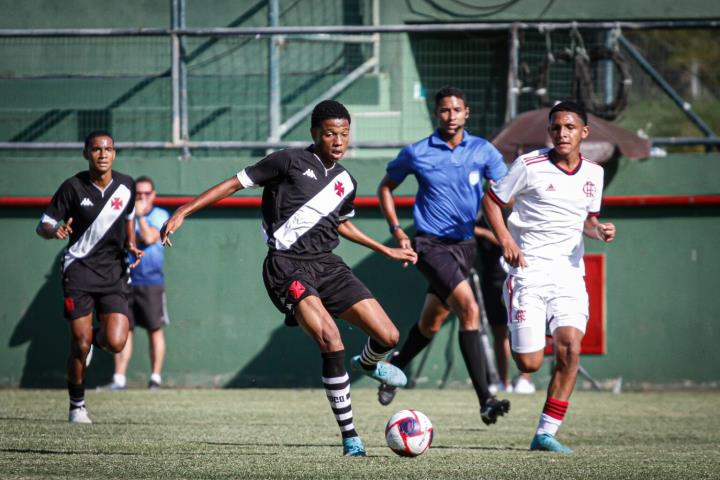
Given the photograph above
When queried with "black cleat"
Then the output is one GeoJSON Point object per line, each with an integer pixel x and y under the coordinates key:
{"type": "Point", "coordinates": [493, 409]}
{"type": "Point", "coordinates": [386, 394]}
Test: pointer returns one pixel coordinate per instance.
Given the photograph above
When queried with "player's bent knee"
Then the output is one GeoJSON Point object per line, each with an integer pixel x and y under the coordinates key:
{"type": "Point", "coordinates": [81, 346]}
{"type": "Point", "coordinates": [529, 363]}
{"type": "Point", "coordinates": [389, 338]}
{"type": "Point", "coordinates": [330, 341]}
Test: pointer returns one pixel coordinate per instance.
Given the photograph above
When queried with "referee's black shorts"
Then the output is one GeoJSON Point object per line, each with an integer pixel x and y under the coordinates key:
{"type": "Point", "coordinates": [445, 263]}
{"type": "Point", "coordinates": [289, 279]}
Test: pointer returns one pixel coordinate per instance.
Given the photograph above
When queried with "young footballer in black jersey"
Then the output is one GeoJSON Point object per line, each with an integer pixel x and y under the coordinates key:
{"type": "Point", "coordinates": [96, 209]}
{"type": "Point", "coordinates": [307, 201]}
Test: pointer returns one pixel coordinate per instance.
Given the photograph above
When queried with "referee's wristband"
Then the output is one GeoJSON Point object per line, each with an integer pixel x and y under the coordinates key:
{"type": "Point", "coordinates": [394, 227]}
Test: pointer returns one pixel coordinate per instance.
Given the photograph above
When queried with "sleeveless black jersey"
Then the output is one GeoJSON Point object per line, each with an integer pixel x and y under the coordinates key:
{"type": "Point", "coordinates": [303, 202]}
{"type": "Point", "coordinates": [95, 258]}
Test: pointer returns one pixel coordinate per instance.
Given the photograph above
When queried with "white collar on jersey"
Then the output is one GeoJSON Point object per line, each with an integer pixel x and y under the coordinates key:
{"type": "Point", "coordinates": [322, 164]}
{"type": "Point", "coordinates": [102, 190]}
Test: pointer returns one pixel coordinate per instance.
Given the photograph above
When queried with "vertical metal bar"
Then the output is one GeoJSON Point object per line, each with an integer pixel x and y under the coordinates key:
{"type": "Point", "coordinates": [679, 101]}
{"type": "Point", "coordinates": [513, 89]}
{"type": "Point", "coordinates": [274, 72]}
{"type": "Point", "coordinates": [609, 77]}
{"type": "Point", "coordinates": [183, 75]}
{"type": "Point", "coordinates": [175, 74]}
{"type": "Point", "coordinates": [376, 35]}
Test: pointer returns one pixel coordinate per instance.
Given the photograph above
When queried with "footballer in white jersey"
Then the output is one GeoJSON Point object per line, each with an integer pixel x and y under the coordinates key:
{"type": "Point", "coordinates": [557, 196]}
{"type": "Point", "coordinates": [550, 209]}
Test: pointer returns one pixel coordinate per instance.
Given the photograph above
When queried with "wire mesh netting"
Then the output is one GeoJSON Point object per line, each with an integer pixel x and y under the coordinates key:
{"type": "Point", "coordinates": [56, 89]}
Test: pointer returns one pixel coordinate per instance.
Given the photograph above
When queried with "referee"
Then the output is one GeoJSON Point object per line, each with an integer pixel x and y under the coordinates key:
{"type": "Point", "coordinates": [449, 166]}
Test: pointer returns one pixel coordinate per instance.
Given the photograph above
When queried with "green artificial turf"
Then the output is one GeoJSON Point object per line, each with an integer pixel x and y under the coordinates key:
{"type": "Point", "coordinates": [280, 433]}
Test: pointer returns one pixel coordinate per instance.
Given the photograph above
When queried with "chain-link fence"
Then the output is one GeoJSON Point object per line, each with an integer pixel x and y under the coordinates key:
{"type": "Point", "coordinates": [55, 88]}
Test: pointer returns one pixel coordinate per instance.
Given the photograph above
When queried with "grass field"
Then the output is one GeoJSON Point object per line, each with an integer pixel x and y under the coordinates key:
{"type": "Point", "coordinates": [291, 434]}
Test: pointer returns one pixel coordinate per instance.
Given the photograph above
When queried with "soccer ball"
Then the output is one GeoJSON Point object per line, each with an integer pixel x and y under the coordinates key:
{"type": "Point", "coordinates": [409, 433]}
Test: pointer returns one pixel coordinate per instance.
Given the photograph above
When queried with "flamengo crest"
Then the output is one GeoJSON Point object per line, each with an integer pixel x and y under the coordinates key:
{"type": "Point", "coordinates": [589, 189]}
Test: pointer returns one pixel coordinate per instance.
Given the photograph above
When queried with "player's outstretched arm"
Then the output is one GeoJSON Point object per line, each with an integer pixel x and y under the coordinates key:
{"type": "Point", "coordinates": [208, 197]}
{"type": "Point", "coordinates": [348, 230]}
{"type": "Point", "coordinates": [512, 253]}
{"type": "Point", "coordinates": [599, 231]}
{"type": "Point", "coordinates": [50, 232]}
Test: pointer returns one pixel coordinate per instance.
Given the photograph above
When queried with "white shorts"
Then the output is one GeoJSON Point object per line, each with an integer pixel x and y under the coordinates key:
{"type": "Point", "coordinates": [539, 302]}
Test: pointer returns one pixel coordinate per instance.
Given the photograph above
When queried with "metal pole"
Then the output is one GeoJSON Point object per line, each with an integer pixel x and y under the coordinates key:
{"type": "Point", "coordinates": [609, 77]}
{"type": "Point", "coordinates": [376, 35]}
{"type": "Point", "coordinates": [175, 73]}
{"type": "Point", "coordinates": [183, 78]}
{"type": "Point", "coordinates": [679, 101]}
{"type": "Point", "coordinates": [513, 89]}
{"type": "Point", "coordinates": [274, 73]}
{"type": "Point", "coordinates": [349, 29]}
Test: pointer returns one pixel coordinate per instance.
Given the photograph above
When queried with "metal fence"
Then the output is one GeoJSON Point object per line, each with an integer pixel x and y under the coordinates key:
{"type": "Point", "coordinates": [254, 87]}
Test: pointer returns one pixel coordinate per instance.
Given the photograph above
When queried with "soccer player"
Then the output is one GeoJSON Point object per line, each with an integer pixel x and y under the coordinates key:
{"type": "Point", "coordinates": [449, 166]}
{"type": "Point", "coordinates": [147, 305]}
{"type": "Point", "coordinates": [557, 196]}
{"type": "Point", "coordinates": [307, 201]}
{"type": "Point", "coordinates": [96, 208]}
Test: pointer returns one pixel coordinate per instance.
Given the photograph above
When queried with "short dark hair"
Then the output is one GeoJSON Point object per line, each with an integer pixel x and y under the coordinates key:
{"type": "Point", "coordinates": [449, 92]}
{"type": "Point", "coordinates": [145, 179]}
{"type": "Point", "coordinates": [95, 134]}
{"type": "Point", "coordinates": [569, 106]}
{"type": "Point", "coordinates": [328, 109]}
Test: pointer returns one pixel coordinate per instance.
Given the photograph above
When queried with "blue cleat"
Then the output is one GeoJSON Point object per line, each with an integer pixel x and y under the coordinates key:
{"type": "Point", "coordinates": [548, 443]}
{"type": "Point", "coordinates": [384, 372]}
{"type": "Point", "coordinates": [353, 447]}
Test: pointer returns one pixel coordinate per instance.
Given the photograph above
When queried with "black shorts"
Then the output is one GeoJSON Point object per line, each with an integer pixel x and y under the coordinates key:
{"type": "Point", "coordinates": [492, 294]}
{"type": "Point", "coordinates": [79, 303]}
{"type": "Point", "coordinates": [445, 263]}
{"type": "Point", "coordinates": [289, 279]}
{"type": "Point", "coordinates": [492, 278]}
{"type": "Point", "coordinates": [148, 307]}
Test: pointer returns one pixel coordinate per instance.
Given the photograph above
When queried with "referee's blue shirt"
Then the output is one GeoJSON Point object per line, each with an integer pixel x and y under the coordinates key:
{"type": "Point", "coordinates": [450, 186]}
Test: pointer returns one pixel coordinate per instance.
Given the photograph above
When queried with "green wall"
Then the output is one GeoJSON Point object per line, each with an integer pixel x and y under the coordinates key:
{"type": "Point", "coordinates": [661, 315]}
{"type": "Point", "coordinates": [661, 304]}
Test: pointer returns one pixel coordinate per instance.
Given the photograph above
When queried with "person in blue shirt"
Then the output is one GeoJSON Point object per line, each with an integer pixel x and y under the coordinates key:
{"type": "Point", "coordinates": [449, 166]}
{"type": "Point", "coordinates": [147, 304]}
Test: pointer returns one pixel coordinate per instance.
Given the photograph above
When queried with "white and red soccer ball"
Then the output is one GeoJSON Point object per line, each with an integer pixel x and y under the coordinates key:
{"type": "Point", "coordinates": [409, 433]}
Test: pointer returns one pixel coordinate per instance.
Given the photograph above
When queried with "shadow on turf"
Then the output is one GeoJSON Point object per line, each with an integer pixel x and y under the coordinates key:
{"type": "Point", "coordinates": [58, 452]}
{"type": "Point", "coordinates": [305, 445]}
{"type": "Point", "coordinates": [291, 359]}
{"type": "Point", "coordinates": [44, 329]}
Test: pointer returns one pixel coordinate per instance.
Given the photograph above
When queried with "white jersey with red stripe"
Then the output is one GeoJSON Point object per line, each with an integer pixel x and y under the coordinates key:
{"type": "Point", "coordinates": [549, 210]}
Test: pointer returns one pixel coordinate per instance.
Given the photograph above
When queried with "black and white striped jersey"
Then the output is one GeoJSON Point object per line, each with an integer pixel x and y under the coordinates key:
{"type": "Point", "coordinates": [95, 257]}
{"type": "Point", "coordinates": [303, 202]}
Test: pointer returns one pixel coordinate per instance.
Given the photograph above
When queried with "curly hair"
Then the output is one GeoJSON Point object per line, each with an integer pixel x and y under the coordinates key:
{"type": "Point", "coordinates": [328, 109]}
